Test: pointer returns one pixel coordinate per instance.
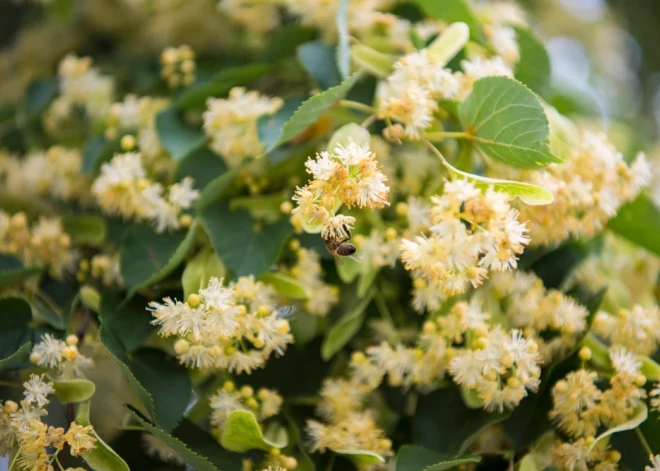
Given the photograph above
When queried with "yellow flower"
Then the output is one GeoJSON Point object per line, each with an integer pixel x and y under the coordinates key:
{"type": "Point", "coordinates": [80, 439]}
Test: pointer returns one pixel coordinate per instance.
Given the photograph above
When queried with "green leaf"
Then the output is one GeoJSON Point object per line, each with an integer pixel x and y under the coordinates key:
{"type": "Point", "coordinates": [318, 59]}
{"type": "Point", "coordinates": [101, 458]}
{"type": "Point", "coordinates": [199, 270]}
{"type": "Point", "coordinates": [451, 11]}
{"type": "Point", "coordinates": [284, 42]}
{"type": "Point", "coordinates": [147, 257]}
{"type": "Point", "coordinates": [284, 285]}
{"type": "Point", "coordinates": [528, 193]}
{"type": "Point", "coordinates": [348, 269]}
{"type": "Point", "coordinates": [74, 390]}
{"type": "Point", "coordinates": [650, 369]}
{"type": "Point", "coordinates": [507, 122]}
{"type": "Point", "coordinates": [85, 229]}
{"type": "Point", "coordinates": [244, 247]}
{"type": "Point", "coordinates": [528, 463]}
{"type": "Point", "coordinates": [97, 151]}
{"type": "Point", "coordinates": [161, 382]}
{"type": "Point", "coordinates": [557, 264]}
{"type": "Point", "coordinates": [129, 322]}
{"type": "Point", "coordinates": [12, 270]}
{"type": "Point", "coordinates": [453, 463]}
{"type": "Point", "coordinates": [15, 317]}
{"type": "Point", "coordinates": [533, 68]}
{"type": "Point", "coordinates": [374, 62]}
{"type": "Point", "coordinates": [639, 222]}
{"type": "Point", "coordinates": [343, 46]}
{"type": "Point", "coordinates": [242, 433]}
{"type": "Point", "coordinates": [203, 165]}
{"type": "Point", "coordinates": [215, 190]}
{"type": "Point", "coordinates": [22, 352]}
{"type": "Point", "coordinates": [345, 328]}
{"type": "Point", "coordinates": [361, 458]}
{"type": "Point", "coordinates": [444, 424]}
{"type": "Point", "coordinates": [195, 96]}
{"type": "Point", "coordinates": [454, 38]}
{"type": "Point", "coordinates": [269, 128]}
{"type": "Point", "coordinates": [177, 137]}
{"type": "Point", "coordinates": [367, 279]}
{"type": "Point", "coordinates": [166, 380]}
{"type": "Point", "coordinates": [307, 113]}
{"type": "Point", "coordinates": [198, 449]}
{"type": "Point", "coordinates": [262, 207]}
{"type": "Point", "coordinates": [39, 95]}
{"type": "Point", "coordinates": [639, 415]}
{"type": "Point", "coordinates": [411, 457]}
{"type": "Point", "coordinates": [564, 135]}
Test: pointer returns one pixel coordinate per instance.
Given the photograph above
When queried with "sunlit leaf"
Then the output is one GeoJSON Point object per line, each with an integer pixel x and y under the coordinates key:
{"type": "Point", "coordinates": [242, 432]}
{"type": "Point", "coordinates": [506, 121]}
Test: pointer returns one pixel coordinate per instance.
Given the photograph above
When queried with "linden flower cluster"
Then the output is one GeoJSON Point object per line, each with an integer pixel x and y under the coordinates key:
{"type": "Point", "coordinates": [637, 329]}
{"type": "Point", "coordinates": [61, 356]}
{"type": "Point", "coordinates": [107, 268]}
{"type": "Point", "coordinates": [420, 79]}
{"type": "Point", "coordinates": [178, 66]}
{"type": "Point", "coordinates": [347, 425]}
{"type": "Point", "coordinates": [81, 86]}
{"type": "Point", "coordinates": [136, 115]}
{"type": "Point", "coordinates": [260, 16]}
{"type": "Point", "coordinates": [55, 173]}
{"type": "Point", "coordinates": [34, 443]}
{"type": "Point", "coordinates": [45, 244]}
{"type": "Point", "coordinates": [348, 175]}
{"type": "Point", "coordinates": [552, 319]}
{"type": "Point", "coordinates": [471, 232]}
{"type": "Point", "coordinates": [499, 367]}
{"type": "Point", "coordinates": [231, 123]}
{"type": "Point", "coordinates": [379, 249]}
{"type": "Point", "coordinates": [264, 404]}
{"type": "Point", "coordinates": [235, 328]}
{"type": "Point", "coordinates": [123, 188]}
{"type": "Point", "coordinates": [629, 271]}
{"type": "Point", "coordinates": [588, 189]}
{"type": "Point", "coordinates": [309, 274]}
{"type": "Point", "coordinates": [580, 407]}
{"type": "Point", "coordinates": [362, 14]}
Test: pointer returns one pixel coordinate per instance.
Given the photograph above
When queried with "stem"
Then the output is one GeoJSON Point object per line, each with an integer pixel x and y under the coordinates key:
{"type": "Point", "coordinates": [49, 302]}
{"type": "Point", "coordinates": [369, 121]}
{"type": "Point", "coordinates": [57, 460]}
{"type": "Point", "coordinates": [354, 105]}
{"type": "Point", "coordinates": [442, 135]}
{"type": "Point", "coordinates": [11, 384]}
{"type": "Point", "coordinates": [331, 463]}
{"type": "Point", "coordinates": [384, 311]}
{"type": "Point", "coordinates": [643, 441]}
{"type": "Point", "coordinates": [83, 327]}
{"type": "Point", "coordinates": [436, 152]}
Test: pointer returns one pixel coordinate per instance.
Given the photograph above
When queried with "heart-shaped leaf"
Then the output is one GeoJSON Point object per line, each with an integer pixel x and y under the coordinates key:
{"type": "Point", "coordinates": [242, 433]}
{"type": "Point", "coordinates": [506, 121]}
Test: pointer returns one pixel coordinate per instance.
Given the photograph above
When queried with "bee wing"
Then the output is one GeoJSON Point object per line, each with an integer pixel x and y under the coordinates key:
{"type": "Point", "coordinates": [353, 257]}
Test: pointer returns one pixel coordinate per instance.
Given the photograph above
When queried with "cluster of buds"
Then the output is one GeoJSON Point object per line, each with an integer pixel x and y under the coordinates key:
{"type": "Point", "coordinates": [123, 188]}
{"type": "Point", "coordinates": [43, 244]}
{"type": "Point", "coordinates": [235, 328]}
{"type": "Point", "coordinates": [348, 175]}
{"type": "Point", "coordinates": [178, 66]}
{"type": "Point", "coordinates": [62, 356]}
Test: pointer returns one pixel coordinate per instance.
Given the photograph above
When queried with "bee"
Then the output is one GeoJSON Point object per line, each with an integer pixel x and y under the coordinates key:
{"type": "Point", "coordinates": [340, 247]}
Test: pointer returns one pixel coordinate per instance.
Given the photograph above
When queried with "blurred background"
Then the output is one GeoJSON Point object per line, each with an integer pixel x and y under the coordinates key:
{"type": "Point", "coordinates": [605, 57]}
